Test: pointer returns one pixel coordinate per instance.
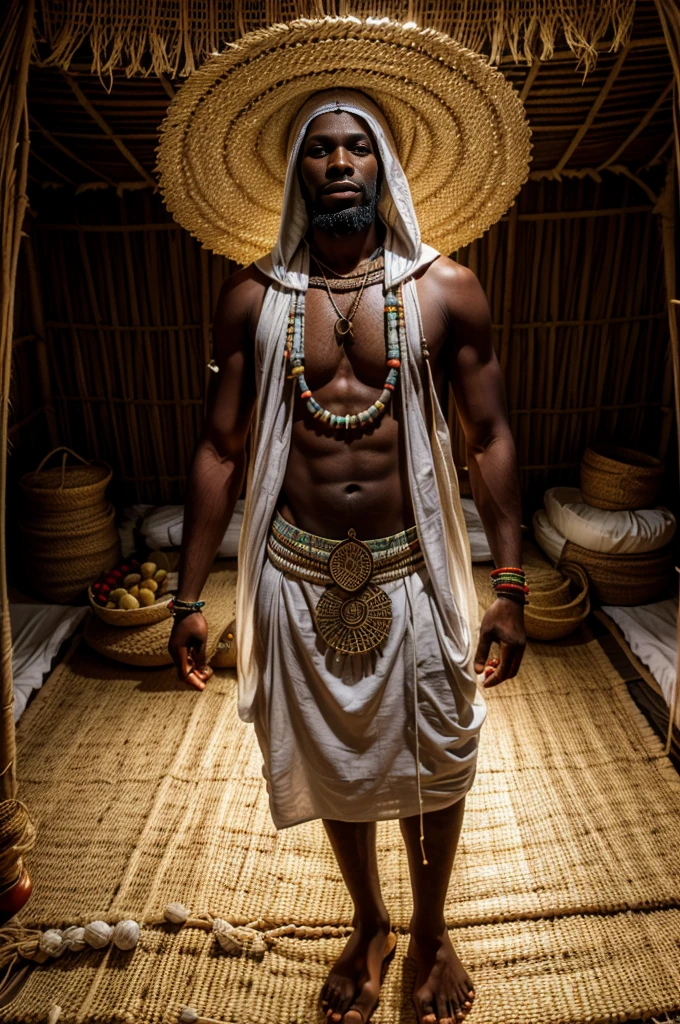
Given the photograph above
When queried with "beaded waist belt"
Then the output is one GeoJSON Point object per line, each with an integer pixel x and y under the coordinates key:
{"type": "Point", "coordinates": [353, 614]}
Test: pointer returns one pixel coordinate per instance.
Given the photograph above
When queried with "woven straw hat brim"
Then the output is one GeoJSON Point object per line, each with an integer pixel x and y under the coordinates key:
{"type": "Point", "coordinates": [460, 129]}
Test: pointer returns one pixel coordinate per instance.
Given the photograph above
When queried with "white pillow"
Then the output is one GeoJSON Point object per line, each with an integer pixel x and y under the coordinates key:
{"type": "Point", "coordinates": [599, 529]}
{"type": "Point", "coordinates": [550, 540]}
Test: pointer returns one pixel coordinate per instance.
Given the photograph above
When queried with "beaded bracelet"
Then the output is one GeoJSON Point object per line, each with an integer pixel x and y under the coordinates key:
{"type": "Point", "coordinates": [176, 605]}
{"type": "Point", "coordinates": [510, 581]}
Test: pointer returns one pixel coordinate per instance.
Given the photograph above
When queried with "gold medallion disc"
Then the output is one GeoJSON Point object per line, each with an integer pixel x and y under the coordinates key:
{"type": "Point", "coordinates": [351, 563]}
{"type": "Point", "coordinates": [354, 623]}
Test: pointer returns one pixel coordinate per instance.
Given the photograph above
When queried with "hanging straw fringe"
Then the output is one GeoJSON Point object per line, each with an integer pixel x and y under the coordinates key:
{"type": "Point", "coordinates": [170, 37]}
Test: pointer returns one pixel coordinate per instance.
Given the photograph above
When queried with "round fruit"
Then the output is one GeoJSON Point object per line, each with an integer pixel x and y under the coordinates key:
{"type": "Point", "coordinates": [147, 569]}
{"type": "Point", "coordinates": [104, 589]}
{"type": "Point", "coordinates": [131, 579]}
{"type": "Point", "coordinates": [149, 585]}
{"type": "Point", "coordinates": [128, 602]}
{"type": "Point", "coordinates": [134, 590]}
{"type": "Point", "coordinates": [146, 597]}
{"type": "Point", "coordinates": [124, 569]}
{"type": "Point", "coordinates": [116, 594]}
{"type": "Point", "coordinates": [160, 574]}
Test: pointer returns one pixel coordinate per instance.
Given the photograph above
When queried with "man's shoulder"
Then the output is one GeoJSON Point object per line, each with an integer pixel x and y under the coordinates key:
{"type": "Point", "coordinates": [446, 273]}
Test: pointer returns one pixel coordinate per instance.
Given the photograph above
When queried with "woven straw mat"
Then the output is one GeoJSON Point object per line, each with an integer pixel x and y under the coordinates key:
{"type": "Point", "coordinates": [564, 899]}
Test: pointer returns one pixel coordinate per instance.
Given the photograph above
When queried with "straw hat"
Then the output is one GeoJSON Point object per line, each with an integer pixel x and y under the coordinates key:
{"type": "Point", "coordinates": [459, 126]}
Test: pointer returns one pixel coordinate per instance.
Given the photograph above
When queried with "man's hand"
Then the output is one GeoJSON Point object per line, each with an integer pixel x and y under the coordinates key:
{"type": "Point", "coordinates": [503, 623]}
{"type": "Point", "coordinates": [187, 647]}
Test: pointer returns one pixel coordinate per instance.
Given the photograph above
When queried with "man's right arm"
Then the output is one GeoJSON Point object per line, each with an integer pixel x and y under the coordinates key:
{"type": "Point", "coordinates": [218, 467]}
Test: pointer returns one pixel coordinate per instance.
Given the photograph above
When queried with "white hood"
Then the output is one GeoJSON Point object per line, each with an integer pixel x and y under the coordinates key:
{"type": "Point", "coordinates": [288, 262]}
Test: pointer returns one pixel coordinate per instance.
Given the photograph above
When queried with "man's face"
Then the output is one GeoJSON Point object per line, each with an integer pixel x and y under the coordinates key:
{"type": "Point", "coordinates": [339, 170]}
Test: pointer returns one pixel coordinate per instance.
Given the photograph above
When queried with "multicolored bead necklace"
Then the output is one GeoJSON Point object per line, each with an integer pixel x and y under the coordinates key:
{"type": "Point", "coordinates": [395, 343]}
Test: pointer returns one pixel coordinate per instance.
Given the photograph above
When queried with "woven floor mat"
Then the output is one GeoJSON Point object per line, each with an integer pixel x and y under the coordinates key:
{"type": "Point", "coordinates": [570, 970]}
{"type": "Point", "coordinates": [145, 792]}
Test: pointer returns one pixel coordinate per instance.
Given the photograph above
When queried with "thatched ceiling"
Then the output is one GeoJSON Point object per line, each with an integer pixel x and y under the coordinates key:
{"type": "Point", "coordinates": [620, 114]}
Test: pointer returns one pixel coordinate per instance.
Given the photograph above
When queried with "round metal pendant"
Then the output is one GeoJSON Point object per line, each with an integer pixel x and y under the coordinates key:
{"type": "Point", "coordinates": [351, 563]}
{"type": "Point", "coordinates": [354, 623]}
{"type": "Point", "coordinates": [343, 326]}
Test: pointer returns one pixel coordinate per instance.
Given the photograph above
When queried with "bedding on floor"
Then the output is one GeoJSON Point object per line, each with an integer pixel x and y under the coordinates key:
{"type": "Point", "coordinates": [651, 632]}
{"type": "Point", "coordinates": [38, 631]}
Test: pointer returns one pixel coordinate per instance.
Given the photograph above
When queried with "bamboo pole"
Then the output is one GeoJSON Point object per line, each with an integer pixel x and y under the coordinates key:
{"type": "Point", "coordinates": [41, 353]}
{"type": "Point", "coordinates": [17, 34]}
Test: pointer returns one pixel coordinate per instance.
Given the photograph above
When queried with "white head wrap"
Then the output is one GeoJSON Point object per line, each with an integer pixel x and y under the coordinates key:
{"type": "Point", "coordinates": [288, 262]}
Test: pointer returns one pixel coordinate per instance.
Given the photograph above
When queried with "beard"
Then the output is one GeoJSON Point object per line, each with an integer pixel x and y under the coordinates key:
{"type": "Point", "coordinates": [348, 221]}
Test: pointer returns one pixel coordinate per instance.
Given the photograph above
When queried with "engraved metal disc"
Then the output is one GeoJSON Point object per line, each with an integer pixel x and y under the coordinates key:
{"type": "Point", "coordinates": [351, 563]}
{"type": "Point", "coordinates": [354, 624]}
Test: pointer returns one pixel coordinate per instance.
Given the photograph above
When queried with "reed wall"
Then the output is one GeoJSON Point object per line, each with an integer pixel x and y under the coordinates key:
{"type": "Point", "coordinates": [123, 298]}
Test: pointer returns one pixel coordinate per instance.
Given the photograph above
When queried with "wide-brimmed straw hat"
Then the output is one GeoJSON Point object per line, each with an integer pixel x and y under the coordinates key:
{"type": "Point", "coordinates": [459, 126]}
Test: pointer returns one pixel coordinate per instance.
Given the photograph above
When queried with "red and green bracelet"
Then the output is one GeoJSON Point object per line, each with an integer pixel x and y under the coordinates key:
{"type": "Point", "coordinates": [510, 581]}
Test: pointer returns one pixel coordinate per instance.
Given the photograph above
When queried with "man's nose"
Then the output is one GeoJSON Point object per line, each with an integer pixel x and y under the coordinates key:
{"type": "Point", "coordinates": [340, 163]}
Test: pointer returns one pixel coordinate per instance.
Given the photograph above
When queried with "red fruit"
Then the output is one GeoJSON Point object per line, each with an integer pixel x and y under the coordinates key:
{"type": "Point", "coordinates": [117, 575]}
{"type": "Point", "coordinates": [101, 599]}
{"type": "Point", "coordinates": [124, 570]}
{"type": "Point", "coordinates": [96, 585]}
{"type": "Point", "coordinates": [104, 589]}
{"type": "Point", "coordinates": [111, 580]}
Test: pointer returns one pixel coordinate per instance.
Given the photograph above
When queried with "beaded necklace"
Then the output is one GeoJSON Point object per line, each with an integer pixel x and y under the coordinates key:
{"type": "Point", "coordinates": [395, 343]}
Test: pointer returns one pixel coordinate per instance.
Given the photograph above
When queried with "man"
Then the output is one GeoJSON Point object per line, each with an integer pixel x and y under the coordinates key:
{"type": "Point", "coordinates": [341, 730]}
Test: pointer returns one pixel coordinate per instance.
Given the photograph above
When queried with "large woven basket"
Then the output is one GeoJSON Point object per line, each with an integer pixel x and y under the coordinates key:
{"type": "Point", "coordinates": [94, 534]}
{"type": "Point", "coordinates": [65, 488]}
{"type": "Point", "coordinates": [620, 478]}
{"type": "Point", "coordinates": [553, 622]}
{"type": "Point", "coordinates": [623, 579]}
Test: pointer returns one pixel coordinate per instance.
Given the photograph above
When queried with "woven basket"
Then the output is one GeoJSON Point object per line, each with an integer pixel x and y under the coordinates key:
{"type": "Point", "coordinates": [66, 488]}
{"type": "Point", "coordinates": [552, 597]}
{"type": "Point", "coordinates": [225, 655]}
{"type": "Point", "coordinates": [148, 646]}
{"type": "Point", "coordinates": [52, 523]}
{"type": "Point", "coordinates": [65, 580]}
{"type": "Point", "coordinates": [143, 616]}
{"type": "Point", "coordinates": [557, 621]}
{"type": "Point", "coordinates": [623, 579]}
{"type": "Point", "coordinates": [620, 478]}
{"type": "Point", "coordinates": [127, 617]}
{"type": "Point", "coordinates": [96, 534]}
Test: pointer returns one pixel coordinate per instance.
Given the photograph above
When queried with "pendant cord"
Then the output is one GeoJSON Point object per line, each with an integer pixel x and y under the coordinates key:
{"type": "Point", "coordinates": [348, 317]}
{"type": "Point", "coordinates": [343, 277]}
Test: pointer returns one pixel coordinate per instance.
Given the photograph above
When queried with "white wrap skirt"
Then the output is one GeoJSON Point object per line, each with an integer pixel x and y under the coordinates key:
{"type": "Point", "coordinates": [351, 737]}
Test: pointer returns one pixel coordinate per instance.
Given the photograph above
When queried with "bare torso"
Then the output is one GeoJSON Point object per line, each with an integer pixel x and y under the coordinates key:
{"type": "Point", "coordinates": [337, 479]}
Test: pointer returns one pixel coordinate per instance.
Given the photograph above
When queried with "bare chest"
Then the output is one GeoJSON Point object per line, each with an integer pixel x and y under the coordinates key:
{"type": "Point", "coordinates": [360, 354]}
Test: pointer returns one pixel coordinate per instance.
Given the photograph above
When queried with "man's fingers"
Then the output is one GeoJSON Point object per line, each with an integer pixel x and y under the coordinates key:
{"type": "Point", "coordinates": [483, 648]}
{"type": "Point", "coordinates": [509, 663]}
{"type": "Point", "coordinates": [184, 668]}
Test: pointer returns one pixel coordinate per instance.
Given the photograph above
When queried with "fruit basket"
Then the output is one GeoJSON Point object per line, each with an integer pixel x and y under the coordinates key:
{"type": "Point", "coordinates": [132, 593]}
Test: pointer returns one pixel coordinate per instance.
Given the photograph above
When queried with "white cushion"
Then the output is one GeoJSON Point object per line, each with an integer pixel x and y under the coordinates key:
{"type": "Point", "coordinates": [651, 631]}
{"type": "Point", "coordinates": [549, 540]}
{"type": "Point", "coordinates": [598, 529]}
{"type": "Point", "coordinates": [38, 631]}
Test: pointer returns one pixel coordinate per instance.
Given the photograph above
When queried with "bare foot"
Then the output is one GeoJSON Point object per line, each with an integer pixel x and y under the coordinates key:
{"type": "Point", "coordinates": [355, 977]}
{"type": "Point", "coordinates": [443, 991]}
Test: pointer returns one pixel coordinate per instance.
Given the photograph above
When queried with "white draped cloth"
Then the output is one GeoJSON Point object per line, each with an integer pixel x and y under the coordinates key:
{"type": "Point", "coordinates": [354, 737]}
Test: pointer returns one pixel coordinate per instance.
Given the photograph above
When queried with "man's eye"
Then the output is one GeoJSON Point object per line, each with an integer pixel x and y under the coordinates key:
{"type": "Point", "coordinates": [362, 150]}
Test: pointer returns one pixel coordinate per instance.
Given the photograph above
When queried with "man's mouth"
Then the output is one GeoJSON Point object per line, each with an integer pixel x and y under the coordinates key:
{"type": "Point", "coordinates": [340, 189]}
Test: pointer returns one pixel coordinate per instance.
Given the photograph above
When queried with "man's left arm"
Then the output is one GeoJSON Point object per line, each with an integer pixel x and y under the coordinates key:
{"type": "Point", "coordinates": [478, 389]}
